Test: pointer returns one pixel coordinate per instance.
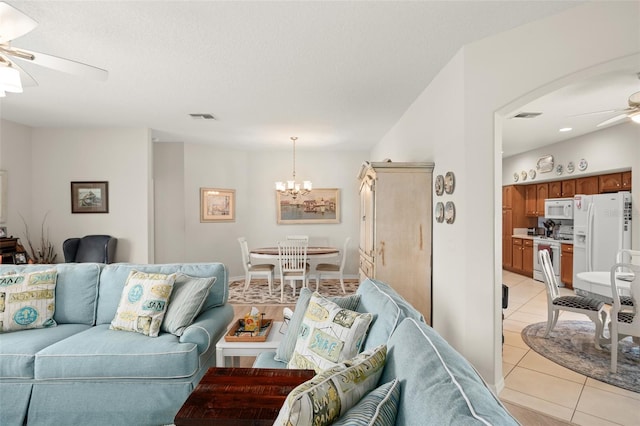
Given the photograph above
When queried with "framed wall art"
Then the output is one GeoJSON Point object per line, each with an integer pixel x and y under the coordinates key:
{"type": "Point", "coordinates": [90, 197]}
{"type": "Point", "coordinates": [217, 205]}
{"type": "Point", "coordinates": [321, 205]}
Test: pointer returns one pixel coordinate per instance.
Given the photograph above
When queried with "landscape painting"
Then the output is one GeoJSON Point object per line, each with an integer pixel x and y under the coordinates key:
{"type": "Point", "coordinates": [321, 205]}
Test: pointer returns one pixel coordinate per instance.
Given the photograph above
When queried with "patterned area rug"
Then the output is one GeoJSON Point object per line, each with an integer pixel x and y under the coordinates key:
{"type": "Point", "coordinates": [570, 344]}
{"type": "Point", "coordinates": [258, 291]}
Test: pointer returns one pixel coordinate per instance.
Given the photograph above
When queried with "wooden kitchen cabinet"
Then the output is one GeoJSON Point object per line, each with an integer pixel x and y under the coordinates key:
{"type": "Point", "coordinates": [527, 257]}
{"type": "Point", "coordinates": [568, 188]}
{"type": "Point", "coordinates": [566, 265]}
{"type": "Point", "coordinates": [542, 193]}
{"type": "Point", "coordinates": [611, 182]}
{"type": "Point", "coordinates": [395, 228]}
{"type": "Point", "coordinates": [507, 231]}
{"type": "Point", "coordinates": [513, 206]}
{"type": "Point", "coordinates": [531, 200]}
{"type": "Point", "coordinates": [626, 181]}
{"type": "Point", "coordinates": [516, 247]}
{"type": "Point", "coordinates": [555, 189]}
{"type": "Point", "coordinates": [587, 185]}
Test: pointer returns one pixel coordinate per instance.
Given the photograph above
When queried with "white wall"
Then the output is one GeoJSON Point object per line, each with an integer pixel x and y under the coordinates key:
{"type": "Point", "coordinates": [480, 80]}
{"type": "Point", "coordinates": [252, 175]}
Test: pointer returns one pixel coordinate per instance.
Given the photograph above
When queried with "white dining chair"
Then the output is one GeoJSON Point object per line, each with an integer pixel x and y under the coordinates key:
{"type": "Point", "coordinates": [625, 320]}
{"type": "Point", "coordinates": [588, 306]}
{"type": "Point", "coordinates": [332, 269]}
{"type": "Point", "coordinates": [292, 259]}
{"type": "Point", "coordinates": [299, 237]}
{"type": "Point", "coordinates": [250, 270]}
{"type": "Point", "coordinates": [628, 256]}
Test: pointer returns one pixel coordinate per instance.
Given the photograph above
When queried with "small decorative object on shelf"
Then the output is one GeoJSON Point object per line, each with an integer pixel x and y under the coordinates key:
{"type": "Point", "coordinates": [523, 175]}
{"type": "Point", "coordinates": [449, 182]}
{"type": "Point", "coordinates": [532, 174]}
{"type": "Point", "coordinates": [582, 165]}
{"type": "Point", "coordinates": [516, 177]}
{"type": "Point", "coordinates": [559, 169]}
{"type": "Point", "coordinates": [545, 164]}
{"type": "Point", "coordinates": [238, 333]}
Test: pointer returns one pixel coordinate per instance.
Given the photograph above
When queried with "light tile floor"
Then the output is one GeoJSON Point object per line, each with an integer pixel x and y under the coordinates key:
{"type": "Point", "coordinates": [534, 382]}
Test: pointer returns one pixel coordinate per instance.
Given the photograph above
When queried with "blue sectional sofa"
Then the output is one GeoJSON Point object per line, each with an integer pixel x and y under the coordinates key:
{"type": "Point", "coordinates": [438, 385]}
{"type": "Point", "coordinates": [80, 372]}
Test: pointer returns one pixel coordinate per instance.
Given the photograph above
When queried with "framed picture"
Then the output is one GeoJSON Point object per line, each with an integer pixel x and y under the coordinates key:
{"type": "Point", "coordinates": [3, 232]}
{"type": "Point", "coordinates": [19, 258]}
{"type": "Point", "coordinates": [217, 205]}
{"type": "Point", "coordinates": [321, 205]}
{"type": "Point", "coordinates": [89, 197]}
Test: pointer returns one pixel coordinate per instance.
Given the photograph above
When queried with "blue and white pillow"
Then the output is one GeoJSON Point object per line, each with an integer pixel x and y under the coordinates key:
{"type": "Point", "coordinates": [377, 408]}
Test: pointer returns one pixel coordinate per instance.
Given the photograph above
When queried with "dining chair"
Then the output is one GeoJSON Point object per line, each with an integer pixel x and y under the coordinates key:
{"type": "Point", "coordinates": [625, 320]}
{"type": "Point", "coordinates": [627, 256]}
{"type": "Point", "coordinates": [593, 308]}
{"type": "Point", "coordinates": [299, 237]}
{"type": "Point", "coordinates": [251, 270]}
{"type": "Point", "coordinates": [292, 259]}
{"type": "Point", "coordinates": [333, 270]}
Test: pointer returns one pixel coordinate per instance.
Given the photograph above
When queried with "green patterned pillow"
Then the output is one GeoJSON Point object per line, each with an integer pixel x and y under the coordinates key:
{"type": "Point", "coordinates": [187, 298]}
{"type": "Point", "coordinates": [328, 335]}
{"type": "Point", "coordinates": [330, 394]}
{"type": "Point", "coordinates": [27, 300]}
{"type": "Point", "coordinates": [143, 303]}
{"type": "Point", "coordinates": [288, 344]}
{"type": "Point", "coordinates": [378, 408]}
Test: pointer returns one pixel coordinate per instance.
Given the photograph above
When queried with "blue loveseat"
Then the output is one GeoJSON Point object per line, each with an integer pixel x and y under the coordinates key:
{"type": "Point", "coordinates": [81, 372]}
{"type": "Point", "coordinates": [437, 385]}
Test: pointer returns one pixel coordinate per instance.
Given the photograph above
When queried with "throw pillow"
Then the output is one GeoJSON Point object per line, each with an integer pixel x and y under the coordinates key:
{"type": "Point", "coordinates": [187, 298]}
{"type": "Point", "coordinates": [143, 303]}
{"type": "Point", "coordinates": [330, 394]}
{"type": "Point", "coordinates": [378, 408]}
{"type": "Point", "coordinates": [27, 300]}
{"type": "Point", "coordinates": [328, 335]}
{"type": "Point", "coordinates": [288, 344]}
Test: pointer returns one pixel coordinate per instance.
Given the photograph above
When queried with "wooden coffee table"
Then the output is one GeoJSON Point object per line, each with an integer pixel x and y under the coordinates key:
{"type": "Point", "coordinates": [240, 396]}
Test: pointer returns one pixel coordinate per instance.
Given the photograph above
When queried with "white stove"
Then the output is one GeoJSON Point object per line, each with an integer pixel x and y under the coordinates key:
{"type": "Point", "coordinates": [564, 233]}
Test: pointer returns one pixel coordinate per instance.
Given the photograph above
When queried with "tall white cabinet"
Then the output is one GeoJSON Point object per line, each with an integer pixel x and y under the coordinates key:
{"type": "Point", "coordinates": [395, 228]}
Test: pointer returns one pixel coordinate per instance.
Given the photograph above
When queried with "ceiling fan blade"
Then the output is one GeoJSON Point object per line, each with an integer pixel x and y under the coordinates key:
{"type": "Point", "coordinates": [13, 23]}
{"type": "Point", "coordinates": [613, 120]}
{"type": "Point", "coordinates": [606, 111]}
{"type": "Point", "coordinates": [26, 78]}
{"type": "Point", "coordinates": [60, 64]}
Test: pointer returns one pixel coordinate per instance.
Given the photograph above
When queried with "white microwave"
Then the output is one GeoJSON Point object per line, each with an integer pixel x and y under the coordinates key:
{"type": "Point", "coordinates": [558, 208]}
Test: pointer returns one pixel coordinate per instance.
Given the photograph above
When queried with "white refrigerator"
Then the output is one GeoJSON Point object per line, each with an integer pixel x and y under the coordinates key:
{"type": "Point", "coordinates": [601, 227]}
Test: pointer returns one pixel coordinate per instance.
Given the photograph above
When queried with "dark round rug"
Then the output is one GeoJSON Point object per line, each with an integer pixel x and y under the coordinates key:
{"type": "Point", "coordinates": [571, 344]}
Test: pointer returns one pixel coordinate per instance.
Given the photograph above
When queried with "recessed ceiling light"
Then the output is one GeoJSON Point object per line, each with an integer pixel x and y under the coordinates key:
{"type": "Point", "coordinates": [566, 129]}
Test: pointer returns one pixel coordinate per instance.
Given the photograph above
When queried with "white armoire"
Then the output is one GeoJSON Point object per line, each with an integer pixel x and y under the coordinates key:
{"type": "Point", "coordinates": [395, 228]}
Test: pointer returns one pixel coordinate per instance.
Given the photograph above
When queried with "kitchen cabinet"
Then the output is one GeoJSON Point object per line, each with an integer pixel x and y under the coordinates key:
{"type": "Point", "coordinates": [555, 189]}
{"type": "Point", "coordinates": [611, 182]}
{"type": "Point", "coordinates": [527, 257]}
{"type": "Point", "coordinates": [626, 181]}
{"type": "Point", "coordinates": [542, 193]}
{"type": "Point", "coordinates": [568, 188]}
{"type": "Point", "coordinates": [587, 185]}
{"type": "Point", "coordinates": [516, 248]}
{"type": "Point", "coordinates": [507, 231]}
{"type": "Point", "coordinates": [534, 199]}
{"type": "Point", "coordinates": [566, 265]}
{"type": "Point", "coordinates": [395, 228]}
{"type": "Point", "coordinates": [513, 206]}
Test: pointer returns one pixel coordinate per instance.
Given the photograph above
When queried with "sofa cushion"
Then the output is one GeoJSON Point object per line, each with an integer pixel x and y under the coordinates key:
{"type": "Point", "coordinates": [187, 298]}
{"type": "Point", "coordinates": [99, 353]}
{"type": "Point", "coordinates": [378, 408]}
{"type": "Point", "coordinates": [389, 307]}
{"type": "Point", "coordinates": [114, 276]}
{"type": "Point", "coordinates": [27, 300]}
{"type": "Point", "coordinates": [448, 389]}
{"type": "Point", "coordinates": [76, 290]}
{"type": "Point", "coordinates": [330, 394]}
{"type": "Point", "coordinates": [18, 350]}
{"type": "Point", "coordinates": [329, 334]}
{"type": "Point", "coordinates": [143, 303]}
{"type": "Point", "coordinates": [288, 344]}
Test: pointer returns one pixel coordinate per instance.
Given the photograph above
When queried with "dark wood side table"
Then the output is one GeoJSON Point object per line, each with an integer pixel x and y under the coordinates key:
{"type": "Point", "coordinates": [240, 396]}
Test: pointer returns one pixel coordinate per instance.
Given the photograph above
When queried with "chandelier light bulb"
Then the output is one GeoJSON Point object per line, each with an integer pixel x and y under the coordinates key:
{"type": "Point", "coordinates": [636, 117]}
{"type": "Point", "coordinates": [10, 80]}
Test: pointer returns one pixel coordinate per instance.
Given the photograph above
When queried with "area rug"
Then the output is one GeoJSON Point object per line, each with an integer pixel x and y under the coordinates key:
{"type": "Point", "coordinates": [258, 291]}
{"type": "Point", "coordinates": [571, 344]}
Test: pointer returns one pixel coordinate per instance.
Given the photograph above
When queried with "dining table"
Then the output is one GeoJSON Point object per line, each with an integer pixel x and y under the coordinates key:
{"type": "Point", "coordinates": [313, 252]}
{"type": "Point", "coordinates": [599, 283]}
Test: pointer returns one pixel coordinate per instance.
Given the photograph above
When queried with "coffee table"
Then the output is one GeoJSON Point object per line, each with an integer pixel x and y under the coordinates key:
{"type": "Point", "coordinates": [226, 349]}
{"type": "Point", "coordinates": [239, 396]}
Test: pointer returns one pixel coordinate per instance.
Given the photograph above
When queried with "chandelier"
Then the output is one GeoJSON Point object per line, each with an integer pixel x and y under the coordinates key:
{"type": "Point", "coordinates": [291, 187]}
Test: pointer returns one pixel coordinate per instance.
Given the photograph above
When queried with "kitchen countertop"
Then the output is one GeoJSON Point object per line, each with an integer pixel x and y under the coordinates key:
{"type": "Point", "coordinates": [531, 237]}
{"type": "Point", "coordinates": [524, 237]}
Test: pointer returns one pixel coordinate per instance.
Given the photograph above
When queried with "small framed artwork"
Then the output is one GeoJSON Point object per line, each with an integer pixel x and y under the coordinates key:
{"type": "Point", "coordinates": [20, 258]}
{"type": "Point", "coordinates": [217, 205]}
{"type": "Point", "coordinates": [3, 232]}
{"type": "Point", "coordinates": [321, 205]}
{"type": "Point", "coordinates": [90, 197]}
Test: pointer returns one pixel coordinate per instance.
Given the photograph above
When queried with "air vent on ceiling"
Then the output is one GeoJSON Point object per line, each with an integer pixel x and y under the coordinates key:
{"type": "Point", "coordinates": [527, 115]}
{"type": "Point", "coordinates": [202, 116]}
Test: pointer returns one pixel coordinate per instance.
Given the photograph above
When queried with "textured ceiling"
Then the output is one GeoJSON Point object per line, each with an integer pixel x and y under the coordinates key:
{"type": "Point", "coordinates": [336, 74]}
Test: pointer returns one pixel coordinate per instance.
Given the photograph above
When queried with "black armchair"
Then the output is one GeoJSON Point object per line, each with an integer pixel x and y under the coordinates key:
{"type": "Point", "coordinates": [90, 248]}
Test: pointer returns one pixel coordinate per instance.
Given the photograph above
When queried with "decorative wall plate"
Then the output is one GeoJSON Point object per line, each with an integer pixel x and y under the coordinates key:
{"type": "Point", "coordinates": [516, 177]}
{"type": "Point", "coordinates": [439, 212]}
{"type": "Point", "coordinates": [582, 165]}
{"type": "Point", "coordinates": [559, 169]}
{"type": "Point", "coordinates": [523, 175]}
{"type": "Point", "coordinates": [532, 174]}
{"type": "Point", "coordinates": [545, 164]}
{"type": "Point", "coordinates": [571, 167]}
{"type": "Point", "coordinates": [439, 185]}
{"type": "Point", "coordinates": [449, 183]}
{"type": "Point", "coordinates": [450, 212]}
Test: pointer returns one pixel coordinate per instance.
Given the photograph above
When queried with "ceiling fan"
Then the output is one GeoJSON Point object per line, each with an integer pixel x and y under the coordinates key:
{"type": "Point", "coordinates": [14, 24]}
{"type": "Point", "coordinates": [632, 112]}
